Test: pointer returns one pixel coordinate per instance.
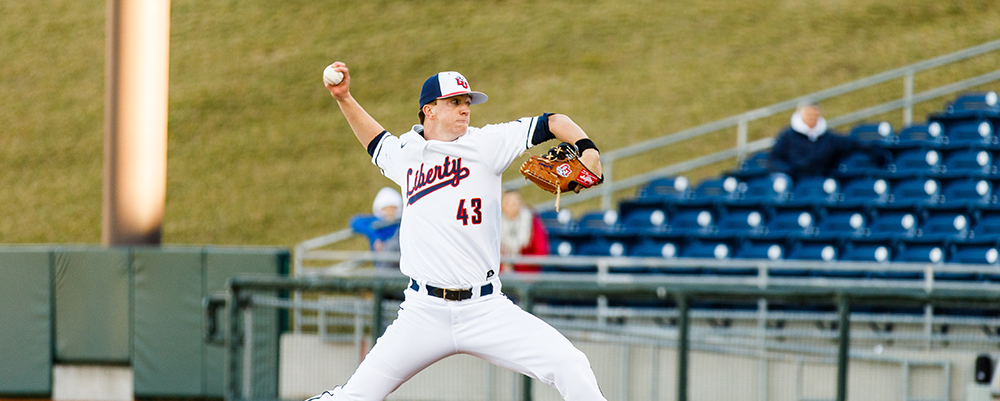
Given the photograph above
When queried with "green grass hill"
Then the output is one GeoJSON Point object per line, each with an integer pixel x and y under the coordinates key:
{"type": "Point", "coordinates": [260, 155]}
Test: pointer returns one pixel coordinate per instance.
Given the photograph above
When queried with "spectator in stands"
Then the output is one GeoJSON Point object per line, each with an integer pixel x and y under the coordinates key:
{"type": "Point", "coordinates": [808, 148]}
{"type": "Point", "coordinates": [521, 232]}
{"type": "Point", "coordinates": [382, 226]}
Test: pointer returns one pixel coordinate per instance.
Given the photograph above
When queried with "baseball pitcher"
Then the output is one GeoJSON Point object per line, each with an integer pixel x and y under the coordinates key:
{"type": "Point", "coordinates": [449, 175]}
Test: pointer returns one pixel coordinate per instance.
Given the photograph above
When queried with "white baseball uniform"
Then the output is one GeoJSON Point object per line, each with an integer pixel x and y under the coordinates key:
{"type": "Point", "coordinates": [450, 239]}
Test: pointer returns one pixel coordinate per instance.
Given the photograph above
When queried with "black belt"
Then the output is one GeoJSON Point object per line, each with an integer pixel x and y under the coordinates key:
{"type": "Point", "coordinates": [452, 294]}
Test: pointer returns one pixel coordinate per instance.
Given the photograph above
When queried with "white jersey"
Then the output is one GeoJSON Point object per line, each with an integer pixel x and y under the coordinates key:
{"type": "Point", "coordinates": [450, 228]}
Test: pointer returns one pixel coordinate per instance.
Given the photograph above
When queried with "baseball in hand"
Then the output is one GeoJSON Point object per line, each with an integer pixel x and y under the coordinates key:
{"type": "Point", "coordinates": [331, 76]}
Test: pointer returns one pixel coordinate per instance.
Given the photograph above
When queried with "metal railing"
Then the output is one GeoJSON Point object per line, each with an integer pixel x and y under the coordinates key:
{"type": "Point", "coordinates": [727, 272]}
{"type": "Point", "coordinates": [683, 291]}
{"type": "Point", "coordinates": [768, 344]}
{"type": "Point", "coordinates": [741, 122]}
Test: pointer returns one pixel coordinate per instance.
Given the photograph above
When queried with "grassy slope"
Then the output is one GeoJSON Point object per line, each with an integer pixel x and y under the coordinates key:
{"type": "Point", "coordinates": [258, 153]}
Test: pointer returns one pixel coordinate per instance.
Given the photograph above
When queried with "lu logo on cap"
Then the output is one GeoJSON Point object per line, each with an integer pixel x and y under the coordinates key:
{"type": "Point", "coordinates": [447, 84]}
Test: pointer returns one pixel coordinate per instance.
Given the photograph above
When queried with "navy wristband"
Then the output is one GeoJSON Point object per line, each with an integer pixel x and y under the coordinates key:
{"type": "Point", "coordinates": [585, 144]}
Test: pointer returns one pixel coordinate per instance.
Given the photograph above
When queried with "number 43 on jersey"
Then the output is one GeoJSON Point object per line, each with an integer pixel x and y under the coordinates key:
{"type": "Point", "coordinates": [475, 204]}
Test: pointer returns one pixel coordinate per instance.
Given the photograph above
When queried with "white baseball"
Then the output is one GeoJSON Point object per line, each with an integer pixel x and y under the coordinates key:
{"type": "Point", "coordinates": [331, 76]}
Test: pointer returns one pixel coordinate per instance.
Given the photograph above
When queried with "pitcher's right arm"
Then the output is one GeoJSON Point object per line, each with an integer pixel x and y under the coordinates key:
{"type": "Point", "coordinates": [364, 126]}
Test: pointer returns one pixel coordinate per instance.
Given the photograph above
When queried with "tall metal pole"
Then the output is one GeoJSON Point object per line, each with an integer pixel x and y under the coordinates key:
{"type": "Point", "coordinates": [378, 324]}
{"type": "Point", "coordinates": [234, 342]}
{"type": "Point", "coordinates": [843, 357]}
{"type": "Point", "coordinates": [528, 303]}
{"type": "Point", "coordinates": [135, 121]}
{"type": "Point", "coordinates": [683, 327]}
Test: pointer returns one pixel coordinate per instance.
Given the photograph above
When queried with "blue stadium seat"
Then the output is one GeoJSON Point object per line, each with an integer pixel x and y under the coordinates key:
{"type": "Point", "coordinates": [600, 222]}
{"type": "Point", "coordinates": [719, 250]}
{"type": "Point", "coordinates": [863, 191]}
{"type": "Point", "coordinates": [668, 188]}
{"type": "Point", "coordinates": [862, 251]}
{"type": "Point", "coordinates": [909, 193]}
{"type": "Point", "coordinates": [558, 223]}
{"type": "Point", "coordinates": [858, 164]}
{"type": "Point", "coordinates": [765, 190]}
{"type": "Point", "coordinates": [716, 190]}
{"type": "Point", "coordinates": [967, 162]}
{"type": "Point", "coordinates": [966, 192]}
{"type": "Point", "coordinates": [978, 253]}
{"type": "Point", "coordinates": [937, 252]}
{"type": "Point", "coordinates": [668, 249]}
{"type": "Point", "coordinates": [893, 224]}
{"type": "Point", "coordinates": [868, 251]}
{"type": "Point", "coordinates": [562, 247]}
{"type": "Point", "coordinates": [593, 247]}
{"type": "Point", "coordinates": [914, 252]}
{"type": "Point", "coordinates": [769, 250]}
{"type": "Point", "coordinates": [913, 162]}
{"type": "Point", "coordinates": [645, 221]}
{"type": "Point", "coordinates": [814, 191]}
{"type": "Point", "coordinates": [824, 251]}
{"type": "Point", "coordinates": [987, 226]}
{"type": "Point", "coordinates": [655, 249]}
{"type": "Point", "coordinates": [970, 133]}
{"type": "Point", "coordinates": [790, 223]}
{"type": "Point", "coordinates": [944, 225]}
{"type": "Point", "coordinates": [879, 133]}
{"type": "Point", "coordinates": [740, 222]}
{"type": "Point", "coordinates": [842, 223]}
{"type": "Point", "coordinates": [710, 249]}
{"type": "Point", "coordinates": [921, 136]}
{"type": "Point", "coordinates": [600, 247]}
{"type": "Point", "coordinates": [927, 252]}
{"type": "Point", "coordinates": [974, 104]}
{"type": "Point", "coordinates": [756, 165]}
{"type": "Point", "coordinates": [706, 249]}
{"type": "Point", "coordinates": [604, 247]}
{"type": "Point", "coordinates": [691, 220]}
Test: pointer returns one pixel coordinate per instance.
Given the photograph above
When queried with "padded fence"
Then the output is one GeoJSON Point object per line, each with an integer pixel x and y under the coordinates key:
{"type": "Point", "coordinates": [25, 322]}
{"type": "Point", "coordinates": [139, 306]}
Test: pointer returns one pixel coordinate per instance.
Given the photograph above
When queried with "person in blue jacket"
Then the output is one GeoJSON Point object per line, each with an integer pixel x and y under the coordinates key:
{"type": "Point", "coordinates": [382, 226]}
{"type": "Point", "coordinates": [808, 148]}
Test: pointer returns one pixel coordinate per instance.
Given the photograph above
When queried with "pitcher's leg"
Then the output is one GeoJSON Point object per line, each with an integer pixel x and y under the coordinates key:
{"type": "Point", "coordinates": [514, 339]}
{"type": "Point", "coordinates": [415, 340]}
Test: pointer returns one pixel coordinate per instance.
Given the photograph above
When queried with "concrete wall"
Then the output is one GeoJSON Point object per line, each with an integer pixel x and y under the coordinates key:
{"type": "Point", "coordinates": [308, 366]}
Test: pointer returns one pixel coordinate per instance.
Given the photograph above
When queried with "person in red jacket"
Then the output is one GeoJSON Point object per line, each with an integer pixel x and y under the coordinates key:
{"type": "Point", "coordinates": [521, 232]}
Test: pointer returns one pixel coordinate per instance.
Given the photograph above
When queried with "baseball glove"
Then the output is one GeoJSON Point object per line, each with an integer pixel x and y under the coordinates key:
{"type": "Point", "coordinates": [560, 170]}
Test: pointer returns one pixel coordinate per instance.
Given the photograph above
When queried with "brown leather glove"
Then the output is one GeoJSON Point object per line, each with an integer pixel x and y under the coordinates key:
{"type": "Point", "coordinates": [560, 170]}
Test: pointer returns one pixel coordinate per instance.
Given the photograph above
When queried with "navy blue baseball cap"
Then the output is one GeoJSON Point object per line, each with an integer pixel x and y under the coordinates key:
{"type": "Point", "coordinates": [448, 84]}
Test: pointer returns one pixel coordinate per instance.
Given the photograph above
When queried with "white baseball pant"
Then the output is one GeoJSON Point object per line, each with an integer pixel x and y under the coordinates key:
{"type": "Point", "coordinates": [493, 328]}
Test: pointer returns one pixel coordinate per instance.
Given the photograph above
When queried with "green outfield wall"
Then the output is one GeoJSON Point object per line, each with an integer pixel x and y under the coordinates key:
{"type": "Point", "coordinates": [136, 306]}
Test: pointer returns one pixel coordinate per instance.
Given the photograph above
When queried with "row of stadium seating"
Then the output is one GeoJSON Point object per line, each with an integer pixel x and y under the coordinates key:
{"type": "Point", "coordinates": [936, 201]}
{"type": "Point", "coordinates": [779, 223]}
{"type": "Point", "coordinates": [902, 163]}
{"type": "Point", "coordinates": [968, 121]}
{"type": "Point", "coordinates": [779, 190]}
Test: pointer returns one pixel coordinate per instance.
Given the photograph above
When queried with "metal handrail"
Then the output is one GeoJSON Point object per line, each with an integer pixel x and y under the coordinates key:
{"type": "Point", "coordinates": [741, 120]}
{"type": "Point", "coordinates": [658, 262]}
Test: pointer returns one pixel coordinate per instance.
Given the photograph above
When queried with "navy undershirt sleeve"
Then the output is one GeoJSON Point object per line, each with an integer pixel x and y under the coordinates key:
{"type": "Point", "coordinates": [542, 132]}
{"type": "Point", "coordinates": [374, 143]}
